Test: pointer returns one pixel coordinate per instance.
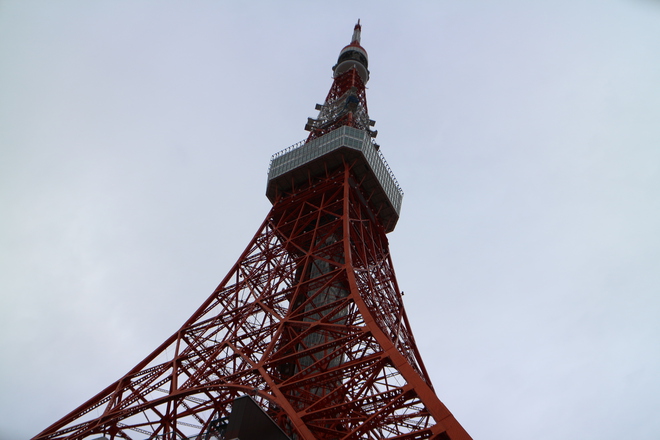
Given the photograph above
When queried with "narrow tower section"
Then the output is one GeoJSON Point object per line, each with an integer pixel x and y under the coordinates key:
{"type": "Point", "coordinates": [346, 103]}
{"type": "Point", "coordinates": [309, 322]}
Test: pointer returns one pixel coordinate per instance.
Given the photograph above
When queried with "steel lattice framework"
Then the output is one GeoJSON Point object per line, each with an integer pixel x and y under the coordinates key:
{"type": "Point", "coordinates": [310, 322]}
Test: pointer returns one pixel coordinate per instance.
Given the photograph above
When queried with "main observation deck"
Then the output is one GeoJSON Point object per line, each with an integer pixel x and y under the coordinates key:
{"type": "Point", "coordinates": [294, 165]}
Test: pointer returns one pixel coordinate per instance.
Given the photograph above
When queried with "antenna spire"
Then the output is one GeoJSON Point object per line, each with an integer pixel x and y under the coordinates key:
{"type": "Point", "coordinates": [356, 33]}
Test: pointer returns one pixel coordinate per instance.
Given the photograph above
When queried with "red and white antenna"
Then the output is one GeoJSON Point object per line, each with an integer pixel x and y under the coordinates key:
{"type": "Point", "coordinates": [346, 103]}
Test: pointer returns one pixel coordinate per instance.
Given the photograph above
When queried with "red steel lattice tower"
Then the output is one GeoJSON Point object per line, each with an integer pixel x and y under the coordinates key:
{"type": "Point", "coordinates": [309, 322]}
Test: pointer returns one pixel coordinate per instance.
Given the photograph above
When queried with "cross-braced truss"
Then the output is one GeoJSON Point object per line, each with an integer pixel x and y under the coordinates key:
{"type": "Point", "coordinates": [309, 321]}
{"type": "Point", "coordinates": [345, 105]}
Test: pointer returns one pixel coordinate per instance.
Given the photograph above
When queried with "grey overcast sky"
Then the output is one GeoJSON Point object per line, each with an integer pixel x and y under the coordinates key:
{"type": "Point", "coordinates": [134, 144]}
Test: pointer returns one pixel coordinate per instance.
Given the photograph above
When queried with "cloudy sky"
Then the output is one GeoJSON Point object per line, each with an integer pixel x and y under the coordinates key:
{"type": "Point", "coordinates": [134, 144]}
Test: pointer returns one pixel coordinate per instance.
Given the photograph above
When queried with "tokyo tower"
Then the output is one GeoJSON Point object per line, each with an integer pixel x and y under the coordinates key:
{"type": "Point", "coordinates": [306, 337]}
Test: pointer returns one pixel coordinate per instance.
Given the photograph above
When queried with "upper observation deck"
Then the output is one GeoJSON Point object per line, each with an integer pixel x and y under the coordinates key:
{"type": "Point", "coordinates": [293, 166]}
